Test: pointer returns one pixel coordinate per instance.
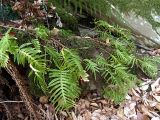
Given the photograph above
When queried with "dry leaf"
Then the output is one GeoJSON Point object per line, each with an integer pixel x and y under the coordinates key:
{"type": "Point", "coordinates": [155, 118]}
{"type": "Point", "coordinates": [141, 116]}
{"type": "Point", "coordinates": [158, 106]}
{"type": "Point", "coordinates": [155, 84]}
{"type": "Point", "coordinates": [135, 93]}
{"type": "Point", "coordinates": [85, 76]}
{"type": "Point", "coordinates": [87, 115]}
{"type": "Point", "coordinates": [94, 104]}
{"type": "Point", "coordinates": [43, 99]}
{"type": "Point", "coordinates": [144, 87]}
{"type": "Point", "coordinates": [129, 110]}
{"type": "Point", "coordinates": [157, 97]}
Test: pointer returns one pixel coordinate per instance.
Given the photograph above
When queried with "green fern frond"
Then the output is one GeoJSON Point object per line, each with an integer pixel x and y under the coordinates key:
{"type": "Point", "coordinates": [101, 61]}
{"type": "Point", "coordinates": [26, 53]}
{"type": "Point", "coordinates": [72, 61]}
{"type": "Point", "coordinates": [148, 67]}
{"type": "Point", "coordinates": [42, 32]}
{"type": "Point", "coordinates": [3, 59]}
{"type": "Point", "coordinates": [155, 59]}
{"type": "Point", "coordinates": [5, 44]}
{"type": "Point", "coordinates": [56, 57]}
{"type": "Point", "coordinates": [63, 89]}
{"type": "Point", "coordinates": [36, 44]}
{"type": "Point", "coordinates": [40, 80]}
{"type": "Point", "coordinates": [63, 85]}
{"type": "Point", "coordinates": [90, 65]}
{"type": "Point", "coordinates": [122, 57]}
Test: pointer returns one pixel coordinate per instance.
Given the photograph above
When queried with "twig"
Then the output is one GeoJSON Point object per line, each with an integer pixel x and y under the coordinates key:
{"type": "Point", "coordinates": [8, 113]}
{"type": "Point", "coordinates": [11, 102]}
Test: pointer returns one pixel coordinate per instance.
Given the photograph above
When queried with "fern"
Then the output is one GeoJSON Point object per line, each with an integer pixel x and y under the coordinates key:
{"type": "Point", "coordinates": [72, 61]}
{"type": "Point", "coordinates": [56, 57]}
{"type": "Point", "coordinates": [63, 88]}
{"type": "Point", "coordinates": [63, 69]}
{"type": "Point", "coordinates": [108, 6]}
{"type": "Point", "coordinates": [42, 32]}
{"type": "Point", "coordinates": [5, 44]}
{"type": "Point", "coordinates": [3, 59]}
{"type": "Point", "coordinates": [63, 84]}
{"type": "Point", "coordinates": [119, 67]}
{"type": "Point", "coordinates": [26, 53]}
{"type": "Point", "coordinates": [90, 65]}
{"type": "Point", "coordinates": [148, 66]}
{"type": "Point", "coordinates": [91, 6]}
{"type": "Point", "coordinates": [36, 44]}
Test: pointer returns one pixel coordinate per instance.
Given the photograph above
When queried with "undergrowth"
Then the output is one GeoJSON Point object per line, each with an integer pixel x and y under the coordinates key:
{"type": "Point", "coordinates": [57, 73]}
{"type": "Point", "coordinates": [63, 73]}
{"type": "Point", "coordinates": [119, 69]}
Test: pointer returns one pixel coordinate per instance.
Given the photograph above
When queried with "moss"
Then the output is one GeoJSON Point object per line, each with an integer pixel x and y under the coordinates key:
{"type": "Point", "coordinates": [67, 18]}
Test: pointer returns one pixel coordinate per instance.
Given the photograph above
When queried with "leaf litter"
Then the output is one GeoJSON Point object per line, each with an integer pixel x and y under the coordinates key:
{"type": "Point", "coordinates": [141, 103]}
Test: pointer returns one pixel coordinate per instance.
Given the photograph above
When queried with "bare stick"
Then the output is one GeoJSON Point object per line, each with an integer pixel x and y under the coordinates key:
{"type": "Point", "coordinates": [11, 102]}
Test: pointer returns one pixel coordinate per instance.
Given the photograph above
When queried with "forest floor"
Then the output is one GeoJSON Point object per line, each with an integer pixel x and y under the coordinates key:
{"type": "Point", "coordinates": [141, 103]}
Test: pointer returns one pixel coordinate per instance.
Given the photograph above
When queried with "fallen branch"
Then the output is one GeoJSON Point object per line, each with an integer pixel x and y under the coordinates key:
{"type": "Point", "coordinates": [1, 102]}
{"type": "Point", "coordinates": [19, 79]}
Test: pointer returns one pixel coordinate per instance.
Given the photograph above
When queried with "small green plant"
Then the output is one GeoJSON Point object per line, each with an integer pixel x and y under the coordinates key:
{"type": "Point", "coordinates": [65, 33]}
{"type": "Point", "coordinates": [57, 73]}
{"type": "Point", "coordinates": [64, 72]}
{"type": "Point", "coordinates": [118, 69]}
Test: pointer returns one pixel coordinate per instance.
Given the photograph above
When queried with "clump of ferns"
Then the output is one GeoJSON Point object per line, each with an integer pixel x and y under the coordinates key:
{"type": "Point", "coordinates": [66, 69]}
{"type": "Point", "coordinates": [119, 69]}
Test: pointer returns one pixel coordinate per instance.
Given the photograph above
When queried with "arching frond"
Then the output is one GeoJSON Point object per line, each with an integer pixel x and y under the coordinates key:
{"type": "Point", "coordinates": [3, 59]}
{"type": "Point", "coordinates": [5, 44]}
{"type": "Point", "coordinates": [56, 57]}
{"type": "Point", "coordinates": [90, 65]}
{"type": "Point", "coordinates": [72, 61]}
{"type": "Point", "coordinates": [149, 67]}
{"type": "Point", "coordinates": [63, 88]}
{"type": "Point", "coordinates": [36, 44]}
{"type": "Point", "coordinates": [26, 53]}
